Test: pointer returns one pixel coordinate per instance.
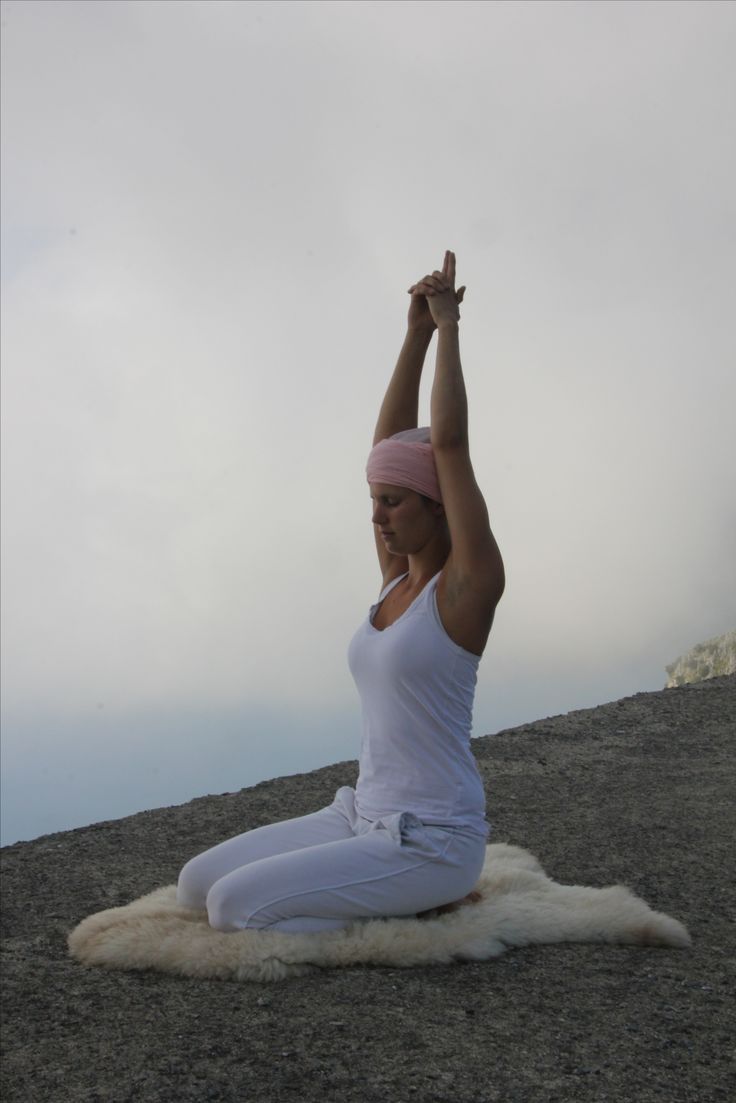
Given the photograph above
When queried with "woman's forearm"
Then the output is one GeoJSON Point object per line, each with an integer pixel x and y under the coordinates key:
{"type": "Point", "coordinates": [400, 407]}
{"type": "Point", "coordinates": [449, 403]}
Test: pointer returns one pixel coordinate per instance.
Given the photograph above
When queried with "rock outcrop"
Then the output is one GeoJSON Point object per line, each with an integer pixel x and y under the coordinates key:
{"type": "Point", "coordinates": [637, 791]}
{"type": "Point", "coordinates": [711, 659]}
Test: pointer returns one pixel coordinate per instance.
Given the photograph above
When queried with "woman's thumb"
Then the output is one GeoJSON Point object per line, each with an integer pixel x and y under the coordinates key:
{"type": "Point", "coordinates": [460, 295]}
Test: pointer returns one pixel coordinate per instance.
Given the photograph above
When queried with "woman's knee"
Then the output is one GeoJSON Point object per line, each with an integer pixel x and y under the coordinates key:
{"type": "Point", "coordinates": [193, 884]}
{"type": "Point", "coordinates": [242, 903]}
{"type": "Point", "coordinates": [225, 911]}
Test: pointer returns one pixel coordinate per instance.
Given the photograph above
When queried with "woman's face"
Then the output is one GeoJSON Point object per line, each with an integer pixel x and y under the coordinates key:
{"type": "Point", "coordinates": [406, 522]}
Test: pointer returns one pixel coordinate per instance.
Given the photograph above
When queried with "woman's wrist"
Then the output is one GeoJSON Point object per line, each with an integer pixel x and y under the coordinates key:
{"type": "Point", "coordinates": [424, 332]}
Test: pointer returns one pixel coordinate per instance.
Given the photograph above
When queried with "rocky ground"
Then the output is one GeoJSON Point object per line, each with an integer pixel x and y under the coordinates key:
{"type": "Point", "coordinates": [638, 791]}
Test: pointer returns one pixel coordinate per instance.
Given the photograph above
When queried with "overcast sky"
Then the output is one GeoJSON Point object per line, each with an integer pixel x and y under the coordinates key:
{"type": "Point", "coordinates": [212, 212]}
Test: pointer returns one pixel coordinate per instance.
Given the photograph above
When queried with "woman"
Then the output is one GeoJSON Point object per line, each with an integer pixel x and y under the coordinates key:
{"type": "Point", "coordinates": [411, 836]}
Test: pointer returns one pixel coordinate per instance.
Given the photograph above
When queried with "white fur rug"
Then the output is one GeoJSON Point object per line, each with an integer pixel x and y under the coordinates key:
{"type": "Point", "coordinates": [520, 905]}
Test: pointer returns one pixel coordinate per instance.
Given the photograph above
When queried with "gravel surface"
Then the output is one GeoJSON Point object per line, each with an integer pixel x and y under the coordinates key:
{"type": "Point", "coordinates": [638, 791]}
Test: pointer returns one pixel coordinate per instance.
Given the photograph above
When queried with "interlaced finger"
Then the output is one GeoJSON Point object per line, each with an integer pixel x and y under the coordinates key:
{"type": "Point", "coordinates": [426, 288]}
{"type": "Point", "coordinates": [436, 281]}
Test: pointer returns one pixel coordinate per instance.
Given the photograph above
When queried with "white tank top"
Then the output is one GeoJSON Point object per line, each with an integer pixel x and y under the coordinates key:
{"type": "Point", "coordinates": [416, 687]}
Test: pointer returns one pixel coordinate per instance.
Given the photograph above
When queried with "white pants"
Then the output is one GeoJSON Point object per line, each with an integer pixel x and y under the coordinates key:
{"type": "Point", "coordinates": [318, 872]}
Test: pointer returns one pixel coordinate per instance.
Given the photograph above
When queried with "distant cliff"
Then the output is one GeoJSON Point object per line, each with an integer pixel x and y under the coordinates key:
{"type": "Point", "coordinates": [711, 659]}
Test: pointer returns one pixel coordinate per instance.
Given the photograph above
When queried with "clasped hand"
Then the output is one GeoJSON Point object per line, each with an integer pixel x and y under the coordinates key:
{"type": "Point", "coordinates": [434, 297]}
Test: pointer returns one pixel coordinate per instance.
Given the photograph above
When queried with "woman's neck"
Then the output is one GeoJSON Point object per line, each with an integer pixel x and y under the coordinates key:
{"type": "Point", "coordinates": [426, 563]}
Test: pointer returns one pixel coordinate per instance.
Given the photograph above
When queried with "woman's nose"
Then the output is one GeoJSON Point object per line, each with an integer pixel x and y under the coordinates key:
{"type": "Point", "coordinates": [378, 515]}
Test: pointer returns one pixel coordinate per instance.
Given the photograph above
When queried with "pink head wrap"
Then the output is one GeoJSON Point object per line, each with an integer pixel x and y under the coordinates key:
{"type": "Point", "coordinates": [406, 459]}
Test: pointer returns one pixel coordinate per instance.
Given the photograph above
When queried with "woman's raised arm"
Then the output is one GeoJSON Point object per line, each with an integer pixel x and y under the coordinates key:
{"type": "Point", "coordinates": [472, 580]}
{"type": "Point", "coordinates": [400, 406]}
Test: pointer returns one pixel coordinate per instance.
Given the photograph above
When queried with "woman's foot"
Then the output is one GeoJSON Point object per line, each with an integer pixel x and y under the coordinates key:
{"type": "Point", "coordinates": [472, 898]}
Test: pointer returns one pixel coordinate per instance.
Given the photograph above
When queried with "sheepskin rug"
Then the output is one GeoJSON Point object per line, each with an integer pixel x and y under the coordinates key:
{"type": "Point", "coordinates": [519, 906]}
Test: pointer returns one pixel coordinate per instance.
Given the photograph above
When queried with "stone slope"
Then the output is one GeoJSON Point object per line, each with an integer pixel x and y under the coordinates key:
{"type": "Point", "coordinates": [638, 790]}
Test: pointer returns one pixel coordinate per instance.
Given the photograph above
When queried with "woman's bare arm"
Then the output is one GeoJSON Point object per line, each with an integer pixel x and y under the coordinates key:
{"type": "Point", "coordinates": [475, 556]}
{"type": "Point", "coordinates": [472, 580]}
{"type": "Point", "coordinates": [400, 407]}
